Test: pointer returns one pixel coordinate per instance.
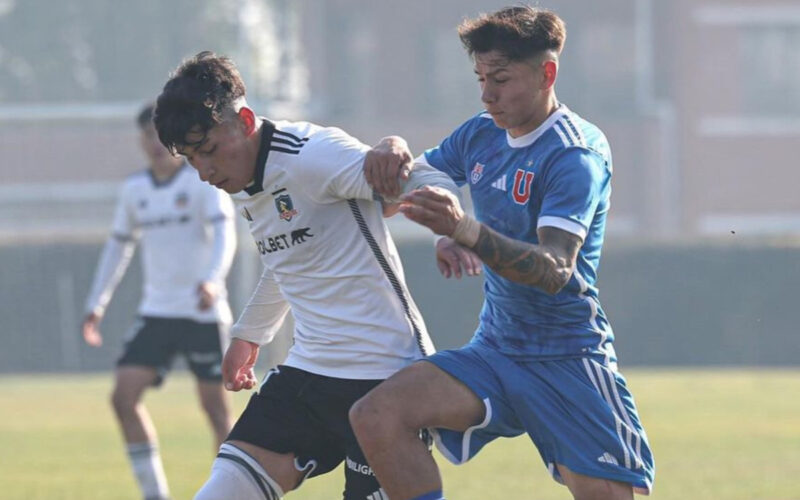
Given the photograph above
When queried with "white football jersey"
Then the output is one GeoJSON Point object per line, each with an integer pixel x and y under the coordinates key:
{"type": "Point", "coordinates": [174, 222]}
{"type": "Point", "coordinates": [328, 256]}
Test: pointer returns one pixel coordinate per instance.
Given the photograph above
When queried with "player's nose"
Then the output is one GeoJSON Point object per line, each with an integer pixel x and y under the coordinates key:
{"type": "Point", "coordinates": [204, 169]}
{"type": "Point", "coordinates": [488, 95]}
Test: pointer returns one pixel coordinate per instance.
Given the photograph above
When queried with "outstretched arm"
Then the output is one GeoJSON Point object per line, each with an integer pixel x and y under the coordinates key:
{"type": "Point", "coordinates": [547, 265]}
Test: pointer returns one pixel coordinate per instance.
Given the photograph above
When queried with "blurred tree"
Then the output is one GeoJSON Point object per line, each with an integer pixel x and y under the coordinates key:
{"type": "Point", "coordinates": [95, 50]}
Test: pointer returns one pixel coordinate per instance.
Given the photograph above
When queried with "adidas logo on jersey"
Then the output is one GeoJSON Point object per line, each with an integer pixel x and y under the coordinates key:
{"type": "Point", "coordinates": [607, 458]}
{"type": "Point", "coordinates": [500, 183]}
{"type": "Point", "coordinates": [378, 495]}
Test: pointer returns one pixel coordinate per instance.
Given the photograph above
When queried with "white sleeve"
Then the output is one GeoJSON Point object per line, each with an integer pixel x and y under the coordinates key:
{"type": "Point", "coordinates": [423, 174]}
{"type": "Point", "coordinates": [263, 315]}
{"type": "Point", "coordinates": [115, 258]}
{"type": "Point", "coordinates": [331, 167]}
{"type": "Point", "coordinates": [112, 265]}
{"type": "Point", "coordinates": [124, 227]}
{"type": "Point", "coordinates": [218, 211]}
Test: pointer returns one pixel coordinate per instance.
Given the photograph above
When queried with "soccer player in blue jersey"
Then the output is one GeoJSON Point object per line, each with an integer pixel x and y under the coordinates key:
{"type": "Point", "coordinates": [542, 360]}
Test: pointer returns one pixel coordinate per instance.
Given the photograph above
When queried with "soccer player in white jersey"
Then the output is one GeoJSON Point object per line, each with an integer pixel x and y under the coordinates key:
{"type": "Point", "coordinates": [328, 259]}
{"type": "Point", "coordinates": [187, 237]}
{"type": "Point", "coordinates": [542, 360]}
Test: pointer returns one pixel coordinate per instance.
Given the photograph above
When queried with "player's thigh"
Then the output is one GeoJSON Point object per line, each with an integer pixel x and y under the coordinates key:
{"type": "Point", "coordinates": [150, 344]}
{"type": "Point", "coordinates": [282, 419]}
{"type": "Point", "coordinates": [423, 395]}
{"type": "Point", "coordinates": [594, 488]}
{"type": "Point", "coordinates": [130, 381]}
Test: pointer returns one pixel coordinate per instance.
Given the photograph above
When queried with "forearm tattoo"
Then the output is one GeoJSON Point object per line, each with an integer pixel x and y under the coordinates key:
{"type": "Point", "coordinates": [547, 267]}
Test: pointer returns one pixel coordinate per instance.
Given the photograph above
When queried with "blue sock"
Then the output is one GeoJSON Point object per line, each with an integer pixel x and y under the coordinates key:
{"type": "Point", "coordinates": [433, 495]}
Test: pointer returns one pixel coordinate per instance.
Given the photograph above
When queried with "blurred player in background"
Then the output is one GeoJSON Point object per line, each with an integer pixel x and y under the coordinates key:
{"type": "Point", "coordinates": [188, 242]}
{"type": "Point", "coordinates": [328, 258]}
{"type": "Point", "coordinates": [542, 361]}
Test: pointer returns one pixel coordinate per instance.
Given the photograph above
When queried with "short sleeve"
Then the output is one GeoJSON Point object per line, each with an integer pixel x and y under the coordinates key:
{"type": "Point", "coordinates": [575, 182]}
{"type": "Point", "coordinates": [330, 167]}
{"type": "Point", "coordinates": [450, 155]}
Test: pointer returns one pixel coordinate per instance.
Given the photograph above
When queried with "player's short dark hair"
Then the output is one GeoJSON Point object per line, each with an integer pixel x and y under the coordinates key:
{"type": "Point", "coordinates": [196, 98]}
{"type": "Point", "coordinates": [145, 116]}
{"type": "Point", "coordinates": [519, 33]}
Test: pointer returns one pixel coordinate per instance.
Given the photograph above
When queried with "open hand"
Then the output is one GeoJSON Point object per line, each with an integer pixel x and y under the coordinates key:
{"type": "Point", "coordinates": [238, 364]}
{"type": "Point", "coordinates": [451, 258]}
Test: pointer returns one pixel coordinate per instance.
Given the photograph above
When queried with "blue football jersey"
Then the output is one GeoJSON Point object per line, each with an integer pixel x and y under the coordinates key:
{"type": "Point", "coordinates": [557, 175]}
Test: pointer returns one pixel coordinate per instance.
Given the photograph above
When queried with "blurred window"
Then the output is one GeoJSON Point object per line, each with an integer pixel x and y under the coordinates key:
{"type": "Point", "coordinates": [771, 69]}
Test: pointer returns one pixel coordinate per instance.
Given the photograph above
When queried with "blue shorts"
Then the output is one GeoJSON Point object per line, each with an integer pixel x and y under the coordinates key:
{"type": "Point", "coordinates": [578, 412]}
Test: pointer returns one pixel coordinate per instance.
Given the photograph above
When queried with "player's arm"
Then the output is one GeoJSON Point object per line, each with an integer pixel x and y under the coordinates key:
{"type": "Point", "coordinates": [258, 324]}
{"type": "Point", "coordinates": [388, 168]}
{"type": "Point", "coordinates": [113, 262]}
{"type": "Point", "coordinates": [331, 167]}
{"type": "Point", "coordinates": [388, 165]}
{"type": "Point", "coordinates": [219, 213]}
{"type": "Point", "coordinates": [547, 265]}
{"type": "Point", "coordinates": [451, 257]}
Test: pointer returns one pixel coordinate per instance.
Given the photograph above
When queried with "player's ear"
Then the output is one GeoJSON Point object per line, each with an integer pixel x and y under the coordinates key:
{"type": "Point", "coordinates": [549, 74]}
{"type": "Point", "coordinates": [247, 119]}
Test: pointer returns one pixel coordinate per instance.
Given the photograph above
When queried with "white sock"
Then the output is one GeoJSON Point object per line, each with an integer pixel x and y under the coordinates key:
{"type": "Point", "coordinates": [235, 475]}
{"type": "Point", "coordinates": [149, 471]}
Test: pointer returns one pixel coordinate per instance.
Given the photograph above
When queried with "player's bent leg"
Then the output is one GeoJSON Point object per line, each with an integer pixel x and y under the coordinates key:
{"type": "Point", "coordinates": [236, 474]}
{"type": "Point", "coordinates": [138, 429]}
{"type": "Point", "coordinates": [215, 402]}
{"type": "Point", "coordinates": [129, 385]}
{"type": "Point", "coordinates": [594, 488]}
{"type": "Point", "coordinates": [388, 419]}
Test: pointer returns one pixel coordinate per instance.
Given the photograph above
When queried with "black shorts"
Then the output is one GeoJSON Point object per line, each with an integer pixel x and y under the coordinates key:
{"type": "Point", "coordinates": [156, 341]}
{"type": "Point", "coordinates": [306, 414]}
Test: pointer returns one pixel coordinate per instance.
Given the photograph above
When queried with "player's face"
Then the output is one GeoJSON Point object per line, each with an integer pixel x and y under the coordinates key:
{"type": "Point", "coordinates": [511, 92]}
{"type": "Point", "coordinates": [221, 157]}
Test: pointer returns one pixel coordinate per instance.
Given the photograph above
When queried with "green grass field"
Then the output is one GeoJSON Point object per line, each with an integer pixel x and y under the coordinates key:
{"type": "Point", "coordinates": [720, 435]}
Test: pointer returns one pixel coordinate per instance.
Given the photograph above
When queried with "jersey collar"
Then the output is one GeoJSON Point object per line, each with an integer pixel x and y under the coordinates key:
{"type": "Point", "coordinates": [166, 182]}
{"type": "Point", "coordinates": [529, 138]}
{"type": "Point", "coordinates": [267, 129]}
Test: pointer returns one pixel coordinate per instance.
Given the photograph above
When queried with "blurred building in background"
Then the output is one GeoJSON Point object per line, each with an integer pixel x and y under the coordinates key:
{"type": "Point", "coordinates": [700, 100]}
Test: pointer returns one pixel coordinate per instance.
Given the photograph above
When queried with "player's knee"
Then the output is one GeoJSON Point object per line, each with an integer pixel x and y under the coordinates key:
{"type": "Point", "coordinates": [371, 418]}
{"type": "Point", "coordinates": [238, 477]}
{"type": "Point", "coordinates": [122, 403]}
{"type": "Point", "coordinates": [595, 488]}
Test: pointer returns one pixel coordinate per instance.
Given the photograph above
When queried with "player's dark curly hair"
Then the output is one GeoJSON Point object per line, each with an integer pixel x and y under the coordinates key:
{"type": "Point", "coordinates": [197, 97]}
{"type": "Point", "coordinates": [145, 116]}
{"type": "Point", "coordinates": [519, 33]}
